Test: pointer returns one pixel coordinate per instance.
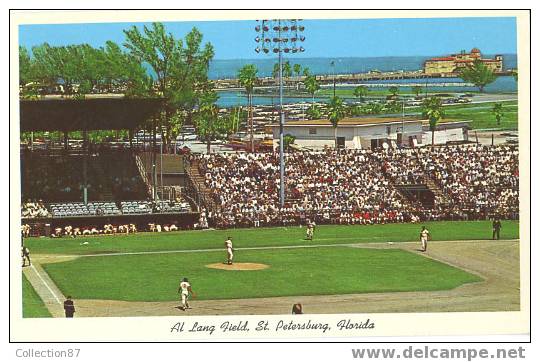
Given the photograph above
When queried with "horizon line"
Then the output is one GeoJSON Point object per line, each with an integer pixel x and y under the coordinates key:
{"type": "Point", "coordinates": [355, 56]}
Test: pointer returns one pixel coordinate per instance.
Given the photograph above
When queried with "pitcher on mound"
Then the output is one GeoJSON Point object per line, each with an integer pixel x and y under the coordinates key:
{"type": "Point", "coordinates": [229, 248]}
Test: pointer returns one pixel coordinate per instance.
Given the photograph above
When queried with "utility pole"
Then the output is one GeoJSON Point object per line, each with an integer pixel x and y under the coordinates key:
{"type": "Point", "coordinates": [280, 36]}
{"type": "Point", "coordinates": [332, 63]}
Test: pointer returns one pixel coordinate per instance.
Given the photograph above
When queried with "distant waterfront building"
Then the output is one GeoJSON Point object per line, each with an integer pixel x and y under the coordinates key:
{"type": "Point", "coordinates": [455, 62]}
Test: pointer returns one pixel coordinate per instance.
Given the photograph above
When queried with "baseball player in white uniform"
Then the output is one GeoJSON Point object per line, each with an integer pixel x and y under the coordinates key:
{"type": "Point", "coordinates": [424, 237]}
{"type": "Point", "coordinates": [309, 231]}
{"type": "Point", "coordinates": [185, 290]}
{"type": "Point", "coordinates": [229, 248]}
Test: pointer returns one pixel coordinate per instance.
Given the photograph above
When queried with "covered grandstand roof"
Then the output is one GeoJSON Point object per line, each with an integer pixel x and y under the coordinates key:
{"type": "Point", "coordinates": [67, 114]}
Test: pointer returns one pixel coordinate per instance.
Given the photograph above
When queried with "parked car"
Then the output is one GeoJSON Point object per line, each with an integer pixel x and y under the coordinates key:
{"type": "Point", "coordinates": [512, 140]}
{"type": "Point", "coordinates": [186, 137]}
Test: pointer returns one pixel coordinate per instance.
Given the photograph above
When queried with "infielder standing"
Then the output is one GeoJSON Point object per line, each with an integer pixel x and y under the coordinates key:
{"type": "Point", "coordinates": [309, 231]}
{"type": "Point", "coordinates": [185, 290]}
{"type": "Point", "coordinates": [424, 237]}
{"type": "Point", "coordinates": [229, 248]}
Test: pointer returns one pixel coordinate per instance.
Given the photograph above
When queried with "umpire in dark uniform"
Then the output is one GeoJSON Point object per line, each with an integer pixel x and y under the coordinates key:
{"type": "Point", "coordinates": [496, 228]}
{"type": "Point", "coordinates": [69, 307]}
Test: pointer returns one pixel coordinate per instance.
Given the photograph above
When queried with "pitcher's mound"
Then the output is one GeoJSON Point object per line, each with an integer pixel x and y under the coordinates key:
{"type": "Point", "coordinates": [238, 266]}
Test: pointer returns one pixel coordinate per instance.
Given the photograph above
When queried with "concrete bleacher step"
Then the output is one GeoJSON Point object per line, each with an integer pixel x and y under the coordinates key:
{"type": "Point", "coordinates": [199, 180]}
{"type": "Point", "coordinates": [433, 187]}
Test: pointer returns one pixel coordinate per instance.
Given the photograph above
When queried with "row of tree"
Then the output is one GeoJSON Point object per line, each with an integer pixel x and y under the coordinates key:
{"type": "Point", "coordinates": [150, 63]}
{"type": "Point", "coordinates": [81, 69]}
{"type": "Point", "coordinates": [288, 70]}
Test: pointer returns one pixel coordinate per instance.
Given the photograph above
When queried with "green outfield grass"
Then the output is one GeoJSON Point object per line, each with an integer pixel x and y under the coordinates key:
{"type": "Point", "coordinates": [280, 236]}
{"type": "Point", "coordinates": [33, 306]}
{"type": "Point", "coordinates": [311, 271]}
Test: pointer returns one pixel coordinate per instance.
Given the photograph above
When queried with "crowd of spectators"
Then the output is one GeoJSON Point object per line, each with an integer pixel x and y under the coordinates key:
{"type": "Point", "coordinates": [359, 186]}
{"type": "Point", "coordinates": [478, 178]}
{"type": "Point", "coordinates": [33, 209]}
{"type": "Point", "coordinates": [107, 229]}
{"type": "Point", "coordinates": [324, 186]}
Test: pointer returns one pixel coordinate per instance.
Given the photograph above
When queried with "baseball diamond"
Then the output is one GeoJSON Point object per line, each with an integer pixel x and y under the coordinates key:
{"type": "Point", "coordinates": [118, 275]}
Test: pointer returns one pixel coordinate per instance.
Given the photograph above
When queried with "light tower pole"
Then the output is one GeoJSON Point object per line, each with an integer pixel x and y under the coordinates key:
{"type": "Point", "coordinates": [280, 36]}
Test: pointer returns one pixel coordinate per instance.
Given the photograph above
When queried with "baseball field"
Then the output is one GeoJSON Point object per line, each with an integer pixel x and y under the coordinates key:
{"type": "Point", "coordinates": [359, 268]}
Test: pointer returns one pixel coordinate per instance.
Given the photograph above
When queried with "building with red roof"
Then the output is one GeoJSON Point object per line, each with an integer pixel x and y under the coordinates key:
{"type": "Point", "coordinates": [454, 63]}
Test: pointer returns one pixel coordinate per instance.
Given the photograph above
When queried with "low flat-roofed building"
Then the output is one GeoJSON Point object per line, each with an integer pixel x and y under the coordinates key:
{"type": "Point", "coordinates": [447, 130]}
{"type": "Point", "coordinates": [353, 132]}
{"type": "Point", "coordinates": [369, 133]}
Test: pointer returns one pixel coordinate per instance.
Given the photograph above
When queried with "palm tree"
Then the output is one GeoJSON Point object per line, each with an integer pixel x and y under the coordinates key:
{"type": "Point", "coordinates": [312, 86]}
{"type": "Point", "coordinates": [432, 109]}
{"type": "Point", "coordinates": [247, 76]}
{"type": "Point", "coordinates": [393, 91]}
{"type": "Point", "coordinates": [207, 118]}
{"type": "Point", "coordinates": [288, 140]}
{"type": "Point", "coordinates": [360, 92]}
{"type": "Point", "coordinates": [417, 90]}
{"type": "Point", "coordinates": [306, 72]}
{"type": "Point", "coordinates": [275, 71]}
{"type": "Point", "coordinates": [297, 68]}
{"type": "Point", "coordinates": [336, 112]}
{"type": "Point", "coordinates": [287, 70]}
{"type": "Point", "coordinates": [313, 112]}
{"type": "Point", "coordinates": [498, 112]}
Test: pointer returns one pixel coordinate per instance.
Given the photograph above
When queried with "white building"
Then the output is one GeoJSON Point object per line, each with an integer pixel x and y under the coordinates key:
{"type": "Point", "coordinates": [371, 132]}
{"type": "Point", "coordinates": [446, 131]}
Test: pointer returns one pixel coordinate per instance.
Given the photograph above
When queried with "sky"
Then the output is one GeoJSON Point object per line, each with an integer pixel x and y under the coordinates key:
{"type": "Point", "coordinates": [324, 38]}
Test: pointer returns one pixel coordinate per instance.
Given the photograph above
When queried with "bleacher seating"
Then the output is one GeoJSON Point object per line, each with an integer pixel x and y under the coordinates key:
{"type": "Point", "coordinates": [136, 207]}
{"type": "Point", "coordinates": [103, 208]}
{"type": "Point", "coordinates": [172, 207]}
{"type": "Point", "coordinates": [68, 209]}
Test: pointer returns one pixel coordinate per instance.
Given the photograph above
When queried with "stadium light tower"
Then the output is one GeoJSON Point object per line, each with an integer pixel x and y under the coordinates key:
{"type": "Point", "coordinates": [280, 36]}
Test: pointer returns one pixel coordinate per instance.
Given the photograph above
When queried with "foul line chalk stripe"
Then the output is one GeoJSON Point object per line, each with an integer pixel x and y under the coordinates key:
{"type": "Point", "coordinates": [46, 285]}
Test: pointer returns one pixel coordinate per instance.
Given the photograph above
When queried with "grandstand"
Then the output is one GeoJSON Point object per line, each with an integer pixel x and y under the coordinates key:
{"type": "Point", "coordinates": [93, 184]}
{"type": "Point", "coordinates": [361, 186]}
